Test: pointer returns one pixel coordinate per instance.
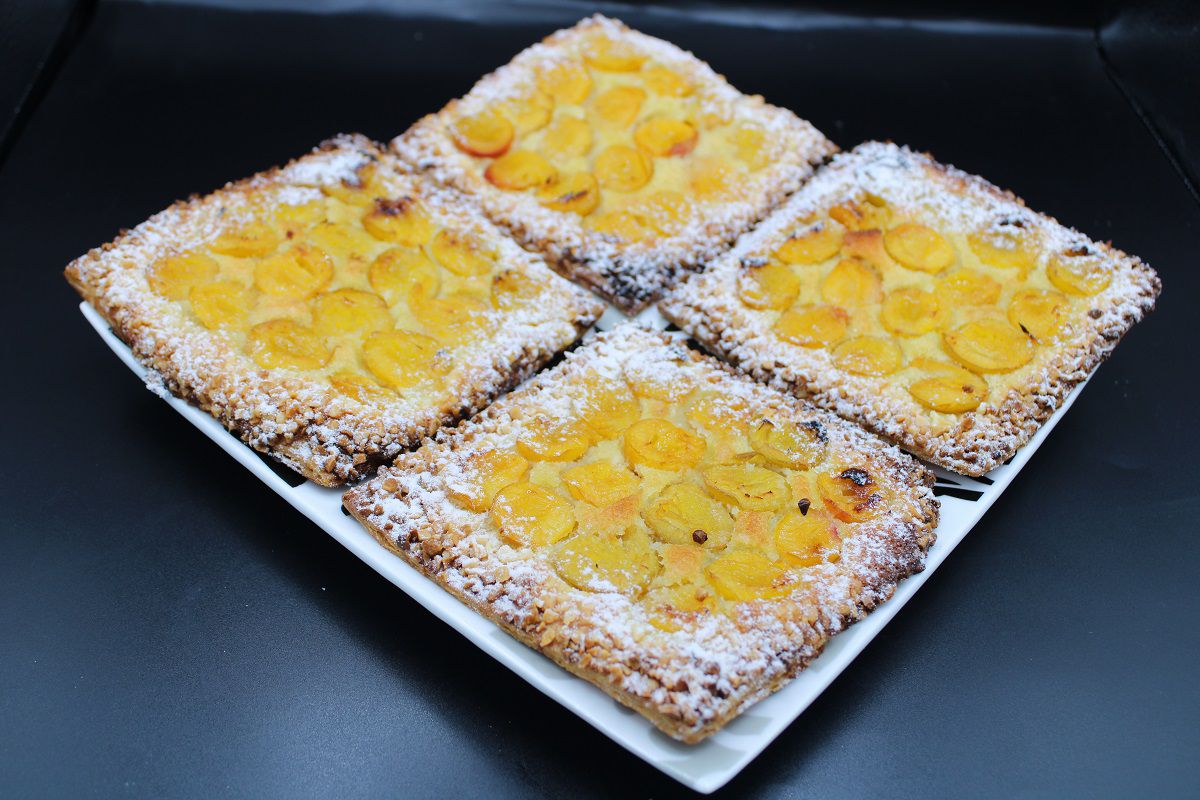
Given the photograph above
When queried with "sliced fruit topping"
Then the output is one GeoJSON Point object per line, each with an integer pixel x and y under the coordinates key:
{"type": "Point", "coordinates": [787, 444]}
{"type": "Point", "coordinates": [529, 112]}
{"type": "Point", "coordinates": [342, 242]}
{"type": "Point", "coordinates": [1079, 271]}
{"type": "Point", "coordinates": [577, 193]}
{"type": "Point", "coordinates": [359, 190]}
{"type": "Point", "coordinates": [462, 253]}
{"type": "Point", "coordinates": [599, 483]}
{"type": "Point", "coordinates": [662, 381]}
{"type": "Point", "coordinates": [174, 276]}
{"type": "Point", "coordinates": [1039, 314]}
{"type": "Point", "coordinates": [770, 286]}
{"type": "Point", "coordinates": [805, 540]}
{"type": "Point", "coordinates": [868, 246]}
{"type": "Point", "coordinates": [405, 275]}
{"type": "Point", "coordinates": [750, 144]}
{"type": "Point", "coordinates": [860, 215]}
{"type": "Point", "coordinates": [608, 411]}
{"type": "Point", "coordinates": [517, 170]}
{"type": "Point", "coordinates": [659, 444]}
{"type": "Point", "coordinates": [744, 575]}
{"type": "Point", "coordinates": [717, 413]}
{"type": "Point", "coordinates": [851, 495]}
{"type": "Point", "coordinates": [455, 319]}
{"type": "Point", "coordinates": [487, 134]}
{"type": "Point", "coordinates": [747, 486]}
{"type": "Point", "coordinates": [814, 326]}
{"type": "Point", "coordinates": [868, 355]}
{"type": "Point", "coordinates": [665, 137]}
{"type": "Point", "coordinates": [919, 247]}
{"type": "Point", "coordinates": [349, 311]}
{"type": "Point", "coordinates": [513, 289]}
{"type": "Point", "coordinates": [360, 388]}
{"type": "Point", "coordinates": [252, 240]}
{"type": "Point", "coordinates": [1006, 244]}
{"type": "Point", "coordinates": [545, 439]}
{"type": "Point", "coordinates": [605, 562]}
{"type": "Point", "coordinates": [622, 225]}
{"type": "Point", "coordinates": [485, 473]}
{"type": "Point", "coordinates": [566, 82]}
{"type": "Point", "coordinates": [667, 212]}
{"type": "Point", "coordinates": [812, 243]}
{"type": "Point", "coordinates": [949, 389]}
{"type": "Point", "coordinates": [714, 178]}
{"type": "Point", "coordinates": [910, 312]}
{"type": "Point", "coordinates": [297, 218]}
{"type": "Point", "coordinates": [400, 221]}
{"type": "Point", "coordinates": [297, 273]}
{"type": "Point", "coordinates": [681, 563]}
{"type": "Point", "coordinates": [221, 304]}
{"type": "Point", "coordinates": [683, 514]}
{"type": "Point", "coordinates": [528, 515]}
{"type": "Point", "coordinates": [967, 287]}
{"type": "Point", "coordinates": [608, 55]}
{"type": "Point", "coordinates": [623, 169]}
{"type": "Point", "coordinates": [852, 283]}
{"type": "Point", "coordinates": [988, 345]}
{"type": "Point", "coordinates": [286, 344]}
{"type": "Point", "coordinates": [403, 359]}
{"type": "Point", "coordinates": [567, 137]}
{"type": "Point", "coordinates": [666, 82]}
{"type": "Point", "coordinates": [619, 105]}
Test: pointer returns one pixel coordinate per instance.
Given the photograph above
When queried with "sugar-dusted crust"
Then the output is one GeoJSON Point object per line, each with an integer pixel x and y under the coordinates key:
{"type": "Point", "coordinates": [327, 437]}
{"type": "Point", "coordinates": [693, 680]}
{"type": "Point", "coordinates": [630, 275]}
{"type": "Point", "coordinates": [972, 443]}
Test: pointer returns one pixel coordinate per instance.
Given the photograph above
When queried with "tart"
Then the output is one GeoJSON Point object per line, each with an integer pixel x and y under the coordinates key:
{"type": "Point", "coordinates": [620, 157]}
{"type": "Point", "coordinates": [677, 534]}
{"type": "Point", "coordinates": [334, 311]}
{"type": "Point", "coordinates": [920, 302]}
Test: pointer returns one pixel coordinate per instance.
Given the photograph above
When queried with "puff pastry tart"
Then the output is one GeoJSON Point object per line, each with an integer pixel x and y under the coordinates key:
{"type": "Point", "coordinates": [920, 302]}
{"type": "Point", "coordinates": [619, 156]}
{"type": "Point", "coordinates": [681, 536]}
{"type": "Point", "coordinates": [334, 311]}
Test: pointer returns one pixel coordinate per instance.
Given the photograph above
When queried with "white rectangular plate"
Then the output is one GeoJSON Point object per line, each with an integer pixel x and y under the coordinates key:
{"type": "Point", "coordinates": [704, 767]}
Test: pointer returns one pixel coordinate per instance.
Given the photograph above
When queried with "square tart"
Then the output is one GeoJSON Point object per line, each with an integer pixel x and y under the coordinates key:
{"type": "Point", "coordinates": [919, 301]}
{"type": "Point", "coordinates": [675, 533]}
{"type": "Point", "coordinates": [334, 311]}
{"type": "Point", "coordinates": [622, 158]}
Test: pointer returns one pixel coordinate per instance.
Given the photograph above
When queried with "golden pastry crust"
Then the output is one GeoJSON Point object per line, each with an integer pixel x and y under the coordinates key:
{"type": "Point", "coordinates": [296, 415]}
{"type": "Point", "coordinates": [916, 188]}
{"type": "Point", "coordinates": [687, 669]}
{"type": "Point", "coordinates": [631, 274]}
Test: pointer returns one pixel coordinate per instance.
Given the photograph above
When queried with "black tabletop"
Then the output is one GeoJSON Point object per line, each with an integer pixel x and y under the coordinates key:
{"type": "Point", "coordinates": [169, 627]}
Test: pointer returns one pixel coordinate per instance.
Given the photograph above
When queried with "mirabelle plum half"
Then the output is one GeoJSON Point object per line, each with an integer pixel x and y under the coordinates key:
{"type": "Point", "coordinates": [619, 106]}
{"type": "Point", "coordinates": [1005, 245]}
{"type": "Point", "coordinates": [1079, 271]}
{"type": "Point", "coordinates": [577, 193]}
{"type": "Point", "coordinates": [623, 169]}
{"type": "Point", "coordinates": [359, 387]}
{"type": "Point", "coordinates": [405, 275]}
{"type": "Point", "coordinates": [175, 276]}
{"type": "Point", "coordinates": [528, 515]}
{"type": "Point", "coordinates": [608, 411]}
{"type": "Point", "coordinates": [664, 137]}
{"type": "Point", "coordinates": [400, 221]}
{"type": "Point", "coordinates": [485, 473]}
{"type": "Point", "coordinates": [622, 225]}
{"type": "Point", "coordinates": [546, 439]}
{"type": "Point", "coordinates": [456, 318]}
{"type": "Point", "coordinates": [512, 289]}
{"type": "Point", "coordinates": [813, 243]}
{"type": "Point", "coordinates": [403, 359]}
{"type": "Point", "coordinates": [605, 562]}
{"type": "Point", "coordinates": [566, 82]}
{"type": "Point", "coordinates": [518, 170]}
{"type": "Point", "coordinates": [599, 483]}
{"type": "Point", "coordinates": [988, 345]}
{"type": "Point", "coordinates": [747, 486]}
{"type": "Point", "coordinates": [868, 355]}
{"type": "Point", "coordinates": [684, 514]}
{"type": "Point", "coordinates": [529, 112]}
{"type": "Point", "coordinates": [609, 55]}
{"type": "Point", "coordinates": [286, 344]}
{"type": "Point", "coordinates": [868, 247]}
{"type": "Point", "coordinates": [666, 82]}
{"type": "Point", "coordinates": [852, 283]}
{"type": "Point", "coordinates": [567, 137]}
{"type": "Point", "coordinates": [910, 312]}
{"type": "Point", "coordinates": [949, 389]}
{"type": "Point", "coordinates": [805, 540]}
{"type": "Point", "coordinates": [850, 495]}
{"type": "Point", "coordinates": [862, 214]}
{"type": "Point", "coordinates": [814, 326]}
{"type": "Point", "coordinates": [658, 444]}
{"type": "Point", "coordinates": [787, 444]}
{"type": "Point", "coordinates": [252, 240]}
{"type": "Point", "coordinates": [967, 287]}
{"type": "Point", "coordinates": [744, 575]}
{"type": "Point", "coordinates": [1041, 314]}
{"type": "Point", "coordinates": [462, 253]}
{"type": "Point", "coordinates": [349, 311]}
{"type": "Point", "coordinates": [919, 247]}
{"type": "Point", "coordinates": [770, 286]}
{"type": "Point", "coordinates": [487, 134]}
{"type": "Point", "coordinates": [297, 273]}
{"type": "Point", "coordinates": [220, 304]}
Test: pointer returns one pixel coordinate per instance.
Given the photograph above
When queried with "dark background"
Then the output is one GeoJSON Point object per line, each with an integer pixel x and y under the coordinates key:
{"type": "Point", "coordinates": [168, 627]}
